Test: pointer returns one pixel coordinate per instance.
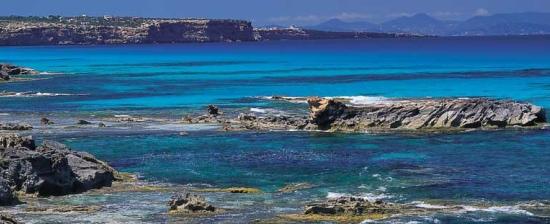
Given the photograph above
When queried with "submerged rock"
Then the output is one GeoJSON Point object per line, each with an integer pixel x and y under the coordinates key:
{"type": "Point", "coordinates": [83, 122]}
{"type": "Point", "coordinates": [187, 203]}
{"type": "Point", "coordinates": [45, 121]}
{"type": "Point", "coordinates": [234, 190]}
{"type": "Point", "coordinates": [50, 169]}
{"type": "Point", "coordinates": [295, 187]}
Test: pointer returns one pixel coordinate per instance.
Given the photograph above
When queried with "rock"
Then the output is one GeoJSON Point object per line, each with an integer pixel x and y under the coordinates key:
{"type": "Point", "coordinates": [15, 127]}
{"type": "Point", "coordinates": [186, 202]}
{"type": "Point", "coordinates": [50, 169]}
{"type": "Point", "coordinates": [213, 110]}
{"type": "Point", "coordinates": [83, 122]}
{"type": "Point", "coordinates": [350, 206]}
{"type": "Point", "coordinates": [4, 76]}
{"type": "Point", "coordinates": [16, 141]}
{"type": "Point", "coordinates": [7, 219]}
{"type": "Point", "coordinates": [234, 190]}
{"type": "Point", "coordinates": [12, 70]}
{"type": "Point", "coordinates": [101, 125]}
{"type": "Point", "coordinates": [46, 121]}
{"type": "Point", "coordinates": [323, 112]}
{"type": "Point", "coordinates": [407, 115]}
{"type": "Point", "coordinates": [7, 196]}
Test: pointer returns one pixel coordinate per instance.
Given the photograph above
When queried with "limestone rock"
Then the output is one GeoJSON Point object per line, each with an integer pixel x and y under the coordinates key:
{"type": "Point", "coordinates": [186, 202]}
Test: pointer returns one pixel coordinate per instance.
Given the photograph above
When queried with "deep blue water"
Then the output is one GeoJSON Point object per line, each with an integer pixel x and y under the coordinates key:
{"type": "Point", "coordinates": [500, 168]}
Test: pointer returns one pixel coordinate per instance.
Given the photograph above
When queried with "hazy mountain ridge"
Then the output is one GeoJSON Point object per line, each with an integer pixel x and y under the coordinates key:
{"type": "Point", "coordinates": [530, 23]}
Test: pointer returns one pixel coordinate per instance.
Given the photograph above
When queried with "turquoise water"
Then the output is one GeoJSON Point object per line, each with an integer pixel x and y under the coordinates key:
{"type": "Point", "coordinates": [501, 170]}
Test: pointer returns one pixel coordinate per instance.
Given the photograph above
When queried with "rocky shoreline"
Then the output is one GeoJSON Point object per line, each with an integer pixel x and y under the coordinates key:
{"type": "Point", "coordinates": [51, 169]}
{"type": "Point", "coordinates": [421, 115]}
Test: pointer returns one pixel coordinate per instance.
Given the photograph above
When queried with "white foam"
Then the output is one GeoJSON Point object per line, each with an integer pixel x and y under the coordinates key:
{"type": "Point", "coordinates": [367, 196]}
{"type": "Point", "coordinates": [497, 209]}
{"type": "Point", "coordinates": [34, 94]}
{"type": "Point", "coordinates": [258, 110]}
{"type": "Point", "coordinates": [364, 100]}
{"type": "Point", "coordinates": [421, 204]}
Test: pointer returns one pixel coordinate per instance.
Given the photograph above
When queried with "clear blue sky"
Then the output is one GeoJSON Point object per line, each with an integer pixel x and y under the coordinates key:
{"type": "Point", "coordinates": [284, 12]}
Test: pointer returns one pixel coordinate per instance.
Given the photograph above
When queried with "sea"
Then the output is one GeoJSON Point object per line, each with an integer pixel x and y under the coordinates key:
{"type": "Point", "coordinates": [500, 176]}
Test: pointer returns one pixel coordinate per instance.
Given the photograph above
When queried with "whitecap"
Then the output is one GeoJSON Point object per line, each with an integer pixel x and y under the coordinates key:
{"type": "Point", "coordinates": [35, 94]}
{"type": "Point", "coordinates": [421, 204]}
{"type": "Point", "coordinates": [364, 100]}
{"type": "Point", "coordinates": [367, 196]}
{"type": "Point", "coordinates": [498, 209]}
{"type": "Point", "coordinates": [258, 110]}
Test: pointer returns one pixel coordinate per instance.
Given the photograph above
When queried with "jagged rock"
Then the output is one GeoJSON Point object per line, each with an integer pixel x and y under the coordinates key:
{"type": "Point", "coordinates": [83, 122]}
{"type": "Point", "coordinates": [50, 169]}
{"type": "Point", "coordinates": [7, 196]}
{"type": "Point", "coordinates": [15, 127]}
{"type": "Point", "coordinates": [16, 141]}
{"type": "Point", "coordinates": [412, 115]}
{"type": "Point", "coordinates": [7, 219]}
{"type": "Point", "coordinates": [186, 202]}
{"type": "Point", "coordinates": [4, 76]}
{"type": "Point", "coordinates": [46, 121]}
{"type": "Point", "coordinates": [7, 70]}
{"type": "Point", "coordinates": [213, 110]}
{"type": "Point", "coordinates": [350, 206]}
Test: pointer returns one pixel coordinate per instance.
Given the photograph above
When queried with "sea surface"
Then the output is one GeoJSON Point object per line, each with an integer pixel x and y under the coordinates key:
{"type": "Point", "coordinates": [495, 176]}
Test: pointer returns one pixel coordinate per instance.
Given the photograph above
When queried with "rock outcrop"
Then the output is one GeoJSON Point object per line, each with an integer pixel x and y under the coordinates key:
{"type": "Point", "coordinates": [7, 71]}
{"type": "Point", "coordinates": [119, 30]}
{"type": "Point", "coordinates": [7, 196]}
{"type": "Point", "coordinates": [350, 206]}
{"type": "Point", "coordinates": [50, 169]}
{"type": "Point", "coordinates": [187, 203]}
{"type": "Point", "coordinates": [407, 115]}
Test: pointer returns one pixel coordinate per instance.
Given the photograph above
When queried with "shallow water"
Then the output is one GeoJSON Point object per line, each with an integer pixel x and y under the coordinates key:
{"type": "Point", "coordinates": [496, 173]}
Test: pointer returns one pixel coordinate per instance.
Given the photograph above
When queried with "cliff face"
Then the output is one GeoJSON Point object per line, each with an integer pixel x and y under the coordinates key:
{"type": "Point", "coordinates": [149, 31]}
{"type": "Point", "coordinates": [200, 31]}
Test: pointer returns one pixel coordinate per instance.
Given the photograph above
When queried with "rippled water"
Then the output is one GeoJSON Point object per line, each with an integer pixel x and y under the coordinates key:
{"type": "Point", "coordinates": [496, 173]}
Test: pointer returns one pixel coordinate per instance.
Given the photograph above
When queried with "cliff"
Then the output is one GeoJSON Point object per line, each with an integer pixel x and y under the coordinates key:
{"type": "Point", "coordinates": [56, 30]}
{"type": "Point", "coordinates": [24, 31]}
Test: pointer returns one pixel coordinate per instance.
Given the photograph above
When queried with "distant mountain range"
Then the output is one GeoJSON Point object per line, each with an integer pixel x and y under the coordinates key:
{"type": "Point", "coordinates": [529, 23]}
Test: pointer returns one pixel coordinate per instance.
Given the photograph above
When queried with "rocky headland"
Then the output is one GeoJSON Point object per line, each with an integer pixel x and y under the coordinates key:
{"type": "Point", "coordinates": [50, 169]}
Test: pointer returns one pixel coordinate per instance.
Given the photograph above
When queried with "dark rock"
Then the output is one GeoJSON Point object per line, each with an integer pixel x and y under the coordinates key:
{"type": "Point", "coordinates": [101, 125]}
{"type": "Point", "coordinates": [46, 121]}
{"type": "Point", "coordinates": [7, 70]}
{"type": "Point", "coordinates": [4, 76]}
{"type": "Point", "coordinates": [324, 111]}
{"type": "Point", "coordinates": [213, 110]}
{"type": "Point", "coordinates": [15, 127]}
{"type": "Point", "coordinates": [186, 202]}
{"type": "Point", "coordinates": [51, 169]}
{"type": "Point", "coordinates": [7, 219]}
{"type": "Point", "coordinates": [7, 196]}
{"type": "Point", "coordinates": [350, 206]}
{"type": "Point", "coordinates": [83, 122]}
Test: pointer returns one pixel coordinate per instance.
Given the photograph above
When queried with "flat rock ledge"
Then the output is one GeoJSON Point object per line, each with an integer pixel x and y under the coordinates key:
{"type": "Point", "coordinates": [49, 169]}
{"type": "Point", "coordinates": [406, 115]}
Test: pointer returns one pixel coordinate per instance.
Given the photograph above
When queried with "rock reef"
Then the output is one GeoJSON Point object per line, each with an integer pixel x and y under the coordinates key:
{"type": "Point", "coordinates": [406, 115]}
{"type": "Point", "coordinates": [7, 71]}
{"type": "Point", "coordinates": [51, 168]}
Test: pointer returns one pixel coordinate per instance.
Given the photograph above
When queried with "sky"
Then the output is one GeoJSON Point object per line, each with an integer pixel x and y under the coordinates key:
{"type": "Point", "coordinates": [279, 12]}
